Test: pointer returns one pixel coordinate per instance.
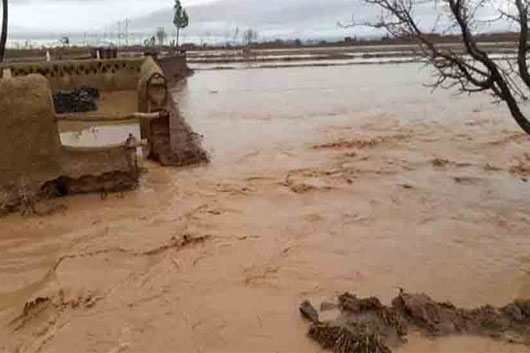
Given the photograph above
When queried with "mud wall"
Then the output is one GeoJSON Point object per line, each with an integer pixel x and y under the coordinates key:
{"type": "Point", "coordinates": [30, 143]}
{"type": "Point", "coordinates": [97, 169]}
{"type": "Point", "coordinates": [148, 68]}
{"type": "Point", "coordinates": [175, 67]}
{"type": "Point", "coordinates": [172, 141]}
{"type": "Point", "coordinates": [102, 74]}
{"type": "Point", "coordinates": [33, 161]}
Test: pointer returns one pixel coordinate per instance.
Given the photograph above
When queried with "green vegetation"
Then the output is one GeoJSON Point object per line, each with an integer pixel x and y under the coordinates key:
{"type": "Point", "coordinates": [181, 19]}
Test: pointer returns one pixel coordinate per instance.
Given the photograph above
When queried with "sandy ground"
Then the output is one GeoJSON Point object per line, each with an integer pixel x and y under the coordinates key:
{"type": "Point", "coordinates": [322, 180]}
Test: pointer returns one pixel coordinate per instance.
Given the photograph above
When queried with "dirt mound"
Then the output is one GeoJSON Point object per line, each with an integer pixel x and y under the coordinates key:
{"type": "Point", "coordinates": [367, 326]}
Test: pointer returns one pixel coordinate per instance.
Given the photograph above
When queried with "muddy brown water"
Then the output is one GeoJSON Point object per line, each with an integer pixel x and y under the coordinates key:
{"type": "Point", "coordinates": [83, 134]}
{"type": "Point", "coordinates": [98, 135]}
{"type": "Point", "coordinates": [322, 180]}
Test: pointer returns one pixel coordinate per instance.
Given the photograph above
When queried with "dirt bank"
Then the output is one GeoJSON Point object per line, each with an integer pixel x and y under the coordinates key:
{"type": "Point", "coordinates": [433, 205]}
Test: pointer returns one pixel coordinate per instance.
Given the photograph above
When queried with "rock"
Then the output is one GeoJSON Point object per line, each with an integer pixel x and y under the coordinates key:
{"type": "Point", "coordinates": [309, 312]}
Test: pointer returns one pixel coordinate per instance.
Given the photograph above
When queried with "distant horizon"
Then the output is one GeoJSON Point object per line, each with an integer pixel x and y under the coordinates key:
{"type": "Point", "coordinates": [101, 40]}
{"type": "Point", "coordinates": [79, 41]}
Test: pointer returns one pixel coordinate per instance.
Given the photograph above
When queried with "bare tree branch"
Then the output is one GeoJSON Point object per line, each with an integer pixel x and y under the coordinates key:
{"type": "Point", "coordinates": [471, 69]}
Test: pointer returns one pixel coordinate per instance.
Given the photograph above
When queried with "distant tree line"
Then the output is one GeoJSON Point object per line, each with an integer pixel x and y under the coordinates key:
{"type": "Point", "coordinates": [180, 21]}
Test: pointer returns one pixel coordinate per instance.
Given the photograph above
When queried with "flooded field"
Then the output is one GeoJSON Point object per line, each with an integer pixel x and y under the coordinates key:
{"type": "Point", "coordinates": [322, 180]}
{"type": "Point", "coordinates": [327, 56]}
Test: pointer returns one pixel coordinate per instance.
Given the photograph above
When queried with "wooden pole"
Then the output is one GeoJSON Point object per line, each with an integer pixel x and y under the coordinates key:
{"type": "Point", "coordinates": [102, 117]}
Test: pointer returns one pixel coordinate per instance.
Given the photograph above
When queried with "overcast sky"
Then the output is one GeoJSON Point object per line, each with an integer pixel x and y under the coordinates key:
{"type": "Point", "coordinates": [211, 20]}
{"type": "Point", "coordinates": [80, 15]}
{"type": "Point", "coordinates": [37, 19]}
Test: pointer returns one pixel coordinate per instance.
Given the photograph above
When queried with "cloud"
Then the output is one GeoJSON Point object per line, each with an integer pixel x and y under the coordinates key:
{"type": "Point", "coordinates": [288, 19]}
{"type": "Point", "coordinates": [79, 15]}
{"type": "Point", "coordinates": [272, 18]}
{"type": "Point", "coordinates": [209, 20]}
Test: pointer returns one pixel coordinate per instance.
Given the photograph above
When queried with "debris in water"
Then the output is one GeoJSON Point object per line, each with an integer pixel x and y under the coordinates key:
{"type": "Point", "coordinates": [440, 162]}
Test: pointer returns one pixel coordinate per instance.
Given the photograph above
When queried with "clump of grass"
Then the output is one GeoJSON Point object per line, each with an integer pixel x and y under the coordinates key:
{"type": "Point", "coordinates": [348, 338]}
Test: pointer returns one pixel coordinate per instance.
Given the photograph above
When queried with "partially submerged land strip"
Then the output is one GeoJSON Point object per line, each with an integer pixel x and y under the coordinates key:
{"type": "Point", "coordinates": [367, 326]}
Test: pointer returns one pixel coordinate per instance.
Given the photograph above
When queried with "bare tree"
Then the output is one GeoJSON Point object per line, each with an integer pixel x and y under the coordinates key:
{"type": "Point", "coordinates": [227, 35]}
{"type": "Point", "coordinates": [249, 36]}
{"type": "Point", "coordinates": [161, 35]}
{"type": "Point", "coordinates": [3, 35]}
{"type": "Point", "coordinates": [471, 69]}
{"type": "Point", "coordinates": [236, 35]}
{"type": "Point", "coordinates": [208, 35]}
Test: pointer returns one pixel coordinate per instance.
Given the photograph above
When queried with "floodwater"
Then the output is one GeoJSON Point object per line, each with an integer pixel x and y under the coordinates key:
{"type": "Point", "coordinates": [322, 180]}
{"type": "Point", "coordinates": [328, 56]}
{"type": "Point", "coordinates": [99, 135]}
